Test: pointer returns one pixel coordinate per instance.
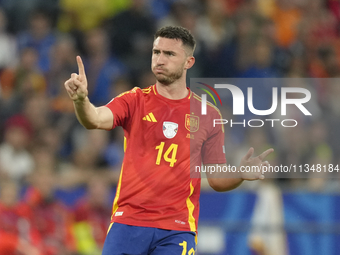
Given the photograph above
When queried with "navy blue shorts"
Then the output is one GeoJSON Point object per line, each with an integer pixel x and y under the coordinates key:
{"type": "Point", "coordinates": [131, 240]}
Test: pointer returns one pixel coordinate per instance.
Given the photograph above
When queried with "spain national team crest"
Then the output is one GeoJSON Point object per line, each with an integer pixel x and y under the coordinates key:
{"type": "Point", "coordinates": [170, 129]}
{"type": "Point", "coordinates": [191, 122]}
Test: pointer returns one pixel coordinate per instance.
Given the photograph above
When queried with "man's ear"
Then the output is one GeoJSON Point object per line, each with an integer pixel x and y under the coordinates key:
{"type": "Point", "coordinates": [190, 62]}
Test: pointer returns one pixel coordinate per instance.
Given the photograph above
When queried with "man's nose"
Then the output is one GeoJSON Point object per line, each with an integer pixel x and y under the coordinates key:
{"type": "Point", "coordinates": [160, 59]}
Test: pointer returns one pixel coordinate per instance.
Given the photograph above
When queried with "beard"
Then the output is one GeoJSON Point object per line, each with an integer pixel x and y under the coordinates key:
{"type": "Point", "coordinates": [169, 78]}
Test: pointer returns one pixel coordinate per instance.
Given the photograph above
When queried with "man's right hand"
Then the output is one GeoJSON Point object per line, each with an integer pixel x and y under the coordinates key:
{"type": "Point", "coordinates": [254, 163]}
{"type": "Point", "coordinates": [76, 86]}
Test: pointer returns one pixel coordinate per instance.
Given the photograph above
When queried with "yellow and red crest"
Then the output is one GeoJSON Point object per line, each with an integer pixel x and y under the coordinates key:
{"type": "Point", "coordinates": [191, 122]}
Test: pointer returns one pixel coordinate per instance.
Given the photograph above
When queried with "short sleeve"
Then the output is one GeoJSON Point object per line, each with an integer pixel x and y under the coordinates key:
{"type": "Point", "coordinates": [123, 107]}
{"type": "Point", "coordinates": [213, 150]}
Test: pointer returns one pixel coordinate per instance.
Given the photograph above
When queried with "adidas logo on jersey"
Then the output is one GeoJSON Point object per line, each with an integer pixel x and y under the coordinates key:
{"type": "Point", "coordinates": [150, 117]}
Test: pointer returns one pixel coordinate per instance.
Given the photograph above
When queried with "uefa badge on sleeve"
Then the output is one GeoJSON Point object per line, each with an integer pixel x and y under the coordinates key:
{"type": "Point", "coordinates": [170, 129]}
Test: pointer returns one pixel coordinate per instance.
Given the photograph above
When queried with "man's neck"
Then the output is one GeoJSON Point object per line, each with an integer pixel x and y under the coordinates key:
{"type": "Point", "coordinates": [174, 91]}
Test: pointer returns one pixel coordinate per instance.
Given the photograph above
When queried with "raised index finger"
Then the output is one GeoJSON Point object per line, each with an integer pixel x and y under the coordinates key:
{"type": "Point", "coordinates": [81, 68]}
{"type": "Point", "coordinates": [265, 154]}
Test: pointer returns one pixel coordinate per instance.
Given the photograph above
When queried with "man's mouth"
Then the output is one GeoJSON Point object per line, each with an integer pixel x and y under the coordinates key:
{"type": "Point", "coordinates": [159, 70]}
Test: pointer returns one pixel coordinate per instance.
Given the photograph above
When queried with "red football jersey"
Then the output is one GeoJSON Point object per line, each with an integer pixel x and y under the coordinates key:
{"type": "Point", "coordinates": [53, 221]}
{"type": "Point", "coordinates": [163, 138]}
{"type": "Point", "coordinates": [16, 223]}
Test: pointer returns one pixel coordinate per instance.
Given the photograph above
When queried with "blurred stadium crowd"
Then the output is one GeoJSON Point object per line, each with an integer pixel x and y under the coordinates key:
{"type": "Point", "coordinates": [43, 148]}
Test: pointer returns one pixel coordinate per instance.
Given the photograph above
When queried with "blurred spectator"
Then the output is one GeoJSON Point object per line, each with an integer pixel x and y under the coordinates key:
{"type": "Point", "coordinates": [182, 13]}
{"type": "Point", "coordinates": [267, 236]}
{"type": "Point", "coordinates": [286, 17]}
{"type": "Point", "coordinates": [28, 78]}
{"type": "Point", "coordinates": [8, 103]}
{"type": "Point", "coordinates": [318, 31]}
{"type": "Point", "coordinates": [332, 116]}
{"type": "Point", "coordinates": [297, 68]}
{"type": "Point", "coordinates": [63, 54]}
{"type": "Point", "coordinates": [213, 28]}
{"type": "Point", "coordinates": [17, 231]}
{"type": "Point", "coordinates": [8, 54]}
{"type": "Point", "coordinates": [48, 140]}
{"type": "Point", "coordinates": [39, 36]}
{"type": "Point", "coordinates": [36, 109]}
{"type": "Point", "coordinates": [51, 218]}
{"type": "Point", "coordinates": [323, 63]}
{"type": "Point", "coordinates": [103, 69]}
{"type": "Point", "coordinates": [319, 25]}
{"type": "Point", "coordinates": [320, 156]}
{"type": "Point", "coordinates": [89, 148]}
{"type": "Point", "coordinates": [262, 61]}
{"type": "Point", "coordinates": [266, 8]}
{"type": "Point", "coordinates": [318, 141]}
{"type": "Point", "coordinates": [21, 82]}
{"type": "Point", "coordinates": [161, 8]}
{"type": "Point", "coordinates": [92, 216]}
{"type": "Point", "coordinates": [131, 36]}
{"type": "Point", "coordinates": [88, 156]}
{"type": "Point", "coordinates": [214, 31]}
{"type": "Point", "coordinates": [16, 162]}
{"type": "Point", "coordinates": [232, 54]}
{"type": "Point", "coordinates": [45, 134]}
{"type": "Point", "coordinates": [241, 47]}
{"type": "Point", "coordinates": [334, 7]}
{"type": "Point", "coordinates": [85, 15]}
{"type": "Point", "coordinates": [19, 11]}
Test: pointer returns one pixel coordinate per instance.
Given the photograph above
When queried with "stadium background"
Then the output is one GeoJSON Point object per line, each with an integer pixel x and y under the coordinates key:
{"type": "Point", "coordinates": [57, 180]}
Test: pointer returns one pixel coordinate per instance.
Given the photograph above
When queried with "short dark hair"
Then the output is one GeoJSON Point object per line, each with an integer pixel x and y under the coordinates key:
{"type": "Point", "coordinates": [179, 33]}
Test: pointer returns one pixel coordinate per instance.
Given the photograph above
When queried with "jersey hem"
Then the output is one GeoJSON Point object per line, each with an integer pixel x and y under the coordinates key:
{"type": "Point", "coordinates": [148, 225]}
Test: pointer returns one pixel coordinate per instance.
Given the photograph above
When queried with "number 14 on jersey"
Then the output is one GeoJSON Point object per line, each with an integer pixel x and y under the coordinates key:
{"type": "Point", "coordinates": [166, 156]}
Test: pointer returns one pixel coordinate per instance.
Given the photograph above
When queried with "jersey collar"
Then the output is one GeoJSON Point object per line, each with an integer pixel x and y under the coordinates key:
{"type": "Point", "coordinates": [183, 100]}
